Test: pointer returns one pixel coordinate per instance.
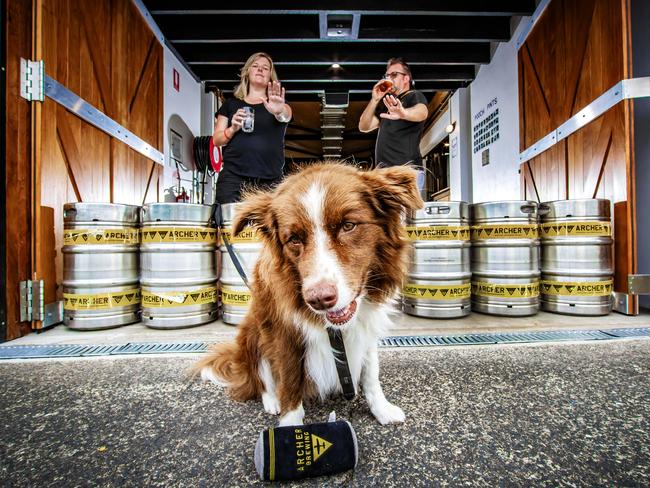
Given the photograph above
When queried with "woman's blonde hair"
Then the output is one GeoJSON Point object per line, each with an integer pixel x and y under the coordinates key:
{"type": "Point", "coordinates": [241, 90]}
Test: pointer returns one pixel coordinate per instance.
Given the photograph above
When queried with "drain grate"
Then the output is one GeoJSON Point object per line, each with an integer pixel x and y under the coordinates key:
{"type": "Point", "coordinates": [77, 350]}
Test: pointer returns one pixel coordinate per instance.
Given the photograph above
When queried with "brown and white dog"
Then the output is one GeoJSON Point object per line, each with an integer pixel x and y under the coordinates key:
{"type": "Point", "coordinates": [333, 255]}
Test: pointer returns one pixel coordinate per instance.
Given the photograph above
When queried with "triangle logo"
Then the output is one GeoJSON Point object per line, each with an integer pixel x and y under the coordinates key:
{"type": "Point", "coordinates": [320, 446]}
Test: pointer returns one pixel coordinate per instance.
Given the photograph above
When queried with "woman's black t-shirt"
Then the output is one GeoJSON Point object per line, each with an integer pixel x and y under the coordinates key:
{"type": "Point", "coordinates": [257, 154]}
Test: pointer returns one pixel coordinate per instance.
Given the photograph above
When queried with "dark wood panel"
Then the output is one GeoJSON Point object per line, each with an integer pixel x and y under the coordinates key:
{"type": "Point", "coordinates": [18, 165]}
{"type": "Point", "coordinates": [105, 53]}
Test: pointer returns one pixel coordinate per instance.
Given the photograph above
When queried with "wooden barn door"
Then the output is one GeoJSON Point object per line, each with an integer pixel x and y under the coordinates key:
{"type": "Point", "coordinates": [105, 53]}
{"type": "Point", "coordinates": [577, 51]}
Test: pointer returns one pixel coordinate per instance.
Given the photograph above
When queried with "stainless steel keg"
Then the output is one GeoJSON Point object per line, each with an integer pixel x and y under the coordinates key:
{"type": "Point", "coordinates": [100, 265]}
{"type": "Point", "coordinates": [505, 258]}
{"type": "Point", "coordinates": [235, 295]}
{"type": "Point", "coordinates": [577, 256]}
{"type": "Point", "coordinates": [439, 278]}
{"type": "Point", "coordinates": [178, 272]}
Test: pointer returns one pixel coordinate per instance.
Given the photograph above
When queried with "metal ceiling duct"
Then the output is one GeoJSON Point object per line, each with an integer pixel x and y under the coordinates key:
{"type": "Point", "coordinates": [334, 110]}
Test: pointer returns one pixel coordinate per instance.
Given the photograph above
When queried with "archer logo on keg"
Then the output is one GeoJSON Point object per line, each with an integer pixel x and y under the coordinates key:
{"type": "Point", "coordinates": [584, 229]}
{"type": "Point", "coordinates": [522, 231]}
{"type": "Point", "coordinates": [505, 290]}
{"type": "Point", "coordinates": [180, 298]}
{"type": "Point", "coordinates": [438, 232]}
{"type": "Point", "coordinates": [100, 301]}
{"type": "Point", "coordinates": [246, 235]}
{"type": "Point", "coordinates": [433, 292]}
{"type": "Point", "coordinates": [233, 297]}
{"type": "Point", "coordinates": [100, 236]}
{"type": "Point", "coordinates": [178, 234]}
{"type": "Point", "coordinates": [578, 288]}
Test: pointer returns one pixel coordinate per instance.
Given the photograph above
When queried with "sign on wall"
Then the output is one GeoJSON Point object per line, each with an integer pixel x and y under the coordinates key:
{"type": "Point", "coordinates": [486, 126]}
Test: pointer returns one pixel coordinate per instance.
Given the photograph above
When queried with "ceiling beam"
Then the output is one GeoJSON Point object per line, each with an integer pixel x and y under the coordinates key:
{"type": "Point", "coordinates": [288, 7]}
{"type": "Point", "coordinates": [341, 52]}
{"type": "Point", "coordinates": [200, 28]}
{"type": "Point", "coordinates": [351, 73]}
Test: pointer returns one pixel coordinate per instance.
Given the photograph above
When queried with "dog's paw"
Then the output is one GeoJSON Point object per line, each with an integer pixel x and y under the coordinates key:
{"type": "Point", "coordinates": [293, 417]}
{"type": "Point", "coordinates": [271, 403]}
{"type": "Point", "coordinates": [387, 413]}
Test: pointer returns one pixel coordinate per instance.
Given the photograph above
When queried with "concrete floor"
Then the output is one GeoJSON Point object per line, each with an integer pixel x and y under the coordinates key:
{"type": "Point", "coordinates": [569, 414]}
{"type": "Point", "coordinates": [404, 325]}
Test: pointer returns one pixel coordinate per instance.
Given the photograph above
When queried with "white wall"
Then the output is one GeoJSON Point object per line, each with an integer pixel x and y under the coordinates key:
{"type": "Point", "coordinates": [496, 87]}
{"type": "Point", "coordinates": [186, 103]}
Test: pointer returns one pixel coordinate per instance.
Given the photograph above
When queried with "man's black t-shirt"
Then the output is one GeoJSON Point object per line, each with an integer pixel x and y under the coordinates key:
{"type": "Point", "coordinates": [398, 141]}
{"type": "Point", "coordinates": [257, 154]}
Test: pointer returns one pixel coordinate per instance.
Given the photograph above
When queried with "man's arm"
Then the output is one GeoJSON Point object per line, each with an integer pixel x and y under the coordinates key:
{"type": "Point", "coordinates": [368, 120]}
{"type": "Point", "coordinates": [396, 111]}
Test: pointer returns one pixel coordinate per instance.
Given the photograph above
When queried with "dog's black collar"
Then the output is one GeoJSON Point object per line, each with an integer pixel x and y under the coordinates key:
{"type": "Point", "coordinates": [341, 361]}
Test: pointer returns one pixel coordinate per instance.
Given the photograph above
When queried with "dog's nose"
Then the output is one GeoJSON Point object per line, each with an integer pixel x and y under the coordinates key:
{"type": "Point", "coordinates": [321, 296]}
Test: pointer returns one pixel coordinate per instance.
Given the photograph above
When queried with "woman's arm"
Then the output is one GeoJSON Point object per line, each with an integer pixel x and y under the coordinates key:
{"type": "Point", "coordinates": [223, 132]}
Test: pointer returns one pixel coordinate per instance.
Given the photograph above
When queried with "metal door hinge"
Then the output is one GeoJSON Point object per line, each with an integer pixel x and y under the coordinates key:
{"type": "Point", "coordinates": [31, 79]}
{"type": "Point", "coordinates": [32, 307]}
{"type": "Point", "coordinates": [26, 301]}
{"type": "Point", "coordinates": [639, 284]}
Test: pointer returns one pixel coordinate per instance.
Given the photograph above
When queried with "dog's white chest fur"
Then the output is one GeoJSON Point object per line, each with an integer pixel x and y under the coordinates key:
{"type": "Point", "coordinates": [359, 336]}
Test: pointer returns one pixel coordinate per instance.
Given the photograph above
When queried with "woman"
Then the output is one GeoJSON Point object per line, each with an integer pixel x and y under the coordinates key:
{"type": "Point", "coordinates": [252, 158]}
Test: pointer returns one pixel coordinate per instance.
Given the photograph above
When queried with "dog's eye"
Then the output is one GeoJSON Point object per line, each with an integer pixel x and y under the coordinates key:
{"type": "Point", "coordinates": [294, 240]}
{"type": "Point", "coordinates": [348, 226]}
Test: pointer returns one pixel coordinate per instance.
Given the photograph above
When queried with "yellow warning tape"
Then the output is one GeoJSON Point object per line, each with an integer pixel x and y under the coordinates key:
{"type": "Point", "coordinates": [179, 234]}
{"type": "Point", "coordinates": [246, 235]}
{"type": "Point", "coordinates": [77, 237]}
{"type": "Point", "coordinates": [170, 299]}
{"type": "Point", "coordinates": [578, 288]}
{"type": "Point", "coordinates": [100, 301]}
{"type": "Point", "coordinates": [505, 231]}
{"type": "Point", "coordinates": [576, 229]}
{"type": "Point", "coordinates": [438, 233]}
{"type": "Point", "coordinates": [234, 297]}
{"type": "Point", "coordinates": [432, 292]}
{"type": "Point", "coordinates": [505, 290]}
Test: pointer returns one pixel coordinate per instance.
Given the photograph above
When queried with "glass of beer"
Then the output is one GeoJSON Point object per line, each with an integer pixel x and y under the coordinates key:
{"type": "Point", "coordinates": [386, 85]}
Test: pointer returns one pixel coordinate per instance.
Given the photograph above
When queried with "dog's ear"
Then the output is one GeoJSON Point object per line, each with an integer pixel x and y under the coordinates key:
{"type": "Point", "coordinates": [255, 211]}
{"type": "Point", "coordinates": [395, 187]}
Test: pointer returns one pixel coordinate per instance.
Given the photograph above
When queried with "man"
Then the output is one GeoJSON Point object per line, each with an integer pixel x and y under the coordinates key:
{"type": "Point", "coordinates": [399, 113]}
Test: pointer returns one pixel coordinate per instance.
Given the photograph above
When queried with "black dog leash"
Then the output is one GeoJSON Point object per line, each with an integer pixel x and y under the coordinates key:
{"type": "Point", "coordinates": [341, 362]}
{"type": "Point", "coordinates": [335, 336]}
{"type": "Point", "coordinates": [217, 221]}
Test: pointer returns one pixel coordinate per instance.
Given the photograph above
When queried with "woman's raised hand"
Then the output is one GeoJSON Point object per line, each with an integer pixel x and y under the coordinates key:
{"type": "Point", "coordinates": [274, 102]}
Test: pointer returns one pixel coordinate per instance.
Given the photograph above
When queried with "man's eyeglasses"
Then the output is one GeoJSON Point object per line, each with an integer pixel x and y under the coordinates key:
{"type": "Point", "coordinates": [394, 74]}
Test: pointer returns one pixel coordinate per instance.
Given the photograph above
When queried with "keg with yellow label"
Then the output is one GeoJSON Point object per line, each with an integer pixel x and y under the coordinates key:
{"type": "Point", "coordinates": [178, 266]}
{"type": "Point", "coordinates": [100, 265]}
{"type": "Point", "coordinates": [235, 295]}
{"type": "Point", "coordinates": [505, 258]}
{"type": "Point", "coordinates": [577, 256]}
{"type": "Point", "coordinates": [438, 280]}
